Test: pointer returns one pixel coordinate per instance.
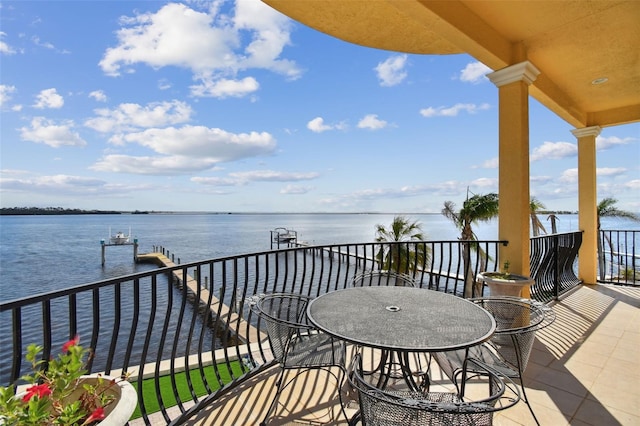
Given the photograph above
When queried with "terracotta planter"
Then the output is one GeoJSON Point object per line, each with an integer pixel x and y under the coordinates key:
{"type": "Point", "coordinates": [501, 285]}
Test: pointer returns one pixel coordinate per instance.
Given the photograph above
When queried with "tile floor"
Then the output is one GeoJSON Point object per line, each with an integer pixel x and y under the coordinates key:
{"type": "Point", "coordinates": [584, 370]}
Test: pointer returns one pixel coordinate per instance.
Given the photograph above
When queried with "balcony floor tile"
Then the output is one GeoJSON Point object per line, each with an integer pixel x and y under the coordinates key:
{"type": "Point", "coordinates": [583, 371]}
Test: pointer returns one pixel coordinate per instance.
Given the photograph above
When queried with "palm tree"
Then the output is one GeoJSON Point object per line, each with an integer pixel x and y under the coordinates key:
{"type": "Point", "coordinates": [535, 206]}
{"type": "Point", "coordinates": [478, 208]}
{"type": "Point", "coordinates": [607, 208]}
{"type": "Point", "coordinates": [402, 258]}
{"type": "Point", "coordinates": [553, 218]}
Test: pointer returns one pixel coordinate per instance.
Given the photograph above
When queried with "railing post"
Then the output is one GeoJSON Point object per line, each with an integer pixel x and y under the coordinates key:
{"type": "Point", "coordinates": [556, 275]}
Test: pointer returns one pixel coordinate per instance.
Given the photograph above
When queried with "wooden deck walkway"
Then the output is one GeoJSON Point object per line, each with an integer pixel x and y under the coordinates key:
{"type": "Point", "coordinates": [244, 332]}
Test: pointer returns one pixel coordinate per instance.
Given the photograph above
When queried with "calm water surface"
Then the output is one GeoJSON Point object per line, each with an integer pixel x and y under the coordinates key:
{"type": "Point", "coordinates": [44, 253]}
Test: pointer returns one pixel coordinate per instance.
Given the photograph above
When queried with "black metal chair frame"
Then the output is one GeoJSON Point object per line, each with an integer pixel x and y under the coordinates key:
{"type": "Point", "coordinates": [296, 343]}
{"type": "Point", "coordinates": [384, 278]}
{"type": "Point", "coordinates": [380, 407]}
{"type": "Point", "coordinates": [508, 350]}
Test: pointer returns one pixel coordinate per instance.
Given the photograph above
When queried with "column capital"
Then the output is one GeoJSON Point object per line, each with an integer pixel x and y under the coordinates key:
{"type": "Point", "coordinates": [586, 131]}
{"type": "Point", "coordinates": [523, 71]}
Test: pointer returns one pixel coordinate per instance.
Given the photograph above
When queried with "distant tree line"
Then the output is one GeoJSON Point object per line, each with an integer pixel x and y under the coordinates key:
{"type": "Point", "coordinates": [50, 211]}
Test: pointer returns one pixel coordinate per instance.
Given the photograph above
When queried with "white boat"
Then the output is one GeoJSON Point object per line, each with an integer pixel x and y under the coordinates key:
{"type": "Point", "coordinates": [284, 235]}
{"type": "Point", "coordinates": [119, 238]}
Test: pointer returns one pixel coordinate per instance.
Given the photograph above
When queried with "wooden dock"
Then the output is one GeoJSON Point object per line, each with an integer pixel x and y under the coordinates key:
{"type": "Point", "coordinates": [244, 332]}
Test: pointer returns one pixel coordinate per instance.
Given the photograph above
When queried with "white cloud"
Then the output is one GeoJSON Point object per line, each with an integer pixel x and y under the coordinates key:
{"type": "Point", "coordinates": [296, 189]}
{"type": "Point", "coordinates": [48, 98]}
{"type": "Point", "coordinates": [491, 163]}
{"type": "Point", "coordinates": [541, 179]}
{"type": "Point", "coordinates": [558, 150]}
{"type": "Point", "coordinates": [633, 184]}
{"type": "Point", "coordinates": [474, 72]}
{"type": "Point", "coordinates": [5, 93]}
{"type": "Point", "coordinates": [569, 176]}
{"type": "Point", "coordinates": [52, 134]}
{"type": "Point", "coordinates": [5, 49]}
{"type": "Point", "coordinates": [318, 125]}
{"type": "Point", "coordinates": [554, 150]}
{"type": "Point", "coordinates": [210, 44]}
{"type": "Point", "coordinates": [392, 71]}
{"type": "Point", "coordinates": [269, 32]}
{"type": "Point", "coordinates": [36, 40]}
{"type": "Point", "coordinates": [273, 176]}
{"type": "Point", "coordinates": [372, 122]}
{"type": "Point", "coordinates": [98, 95]}
{"type": "Point", "coordinates": [164, 84]}
{"type": "Point", "coordinates": [66, 184]}
{"type": "Point", "coordinates": [603, 143]}
{"type": "Point", "coordinates": [453, 111]}
{"type": "Point", "coordinates": [610, 171]}
{"type": "Point", "coordinates": [148, 165]}
{"type": "Point", "coordinates": [217, 181]}
{"type": "Point", "coordinates": [225, 88]}
{"type": "Point", "coordinates": [204, 143]}
{"type": "Point", "coordinates": [134, 116]}
{"type": "Point", "coordinates": [485, 183]}
{"type": "Point", "coordinates": [440, 189]}
{"type": "Point", "coordinates": [244, 178]}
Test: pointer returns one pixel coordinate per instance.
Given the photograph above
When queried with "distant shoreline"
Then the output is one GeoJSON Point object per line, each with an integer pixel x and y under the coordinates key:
{"type": "Point", "coordinates": [33, 211]}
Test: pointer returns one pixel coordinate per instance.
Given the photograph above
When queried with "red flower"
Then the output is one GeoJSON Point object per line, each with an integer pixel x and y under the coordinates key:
{"type": "Point", "coordinates": [70, 343]}
{"type": "Point", "coordinates": [36, 390]}
{"type": "Point", "coordinates": [98, 414]}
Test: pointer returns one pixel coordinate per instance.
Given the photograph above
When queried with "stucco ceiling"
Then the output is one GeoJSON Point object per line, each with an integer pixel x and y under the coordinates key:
{"type": "Point", "coordinates": [572, 43]}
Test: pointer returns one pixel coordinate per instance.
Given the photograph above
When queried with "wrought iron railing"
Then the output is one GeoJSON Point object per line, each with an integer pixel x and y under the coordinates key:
{"type": "Point", "coordinates": [191, 323]}
{"type": "Point", "coordinates": [553, 261]}
{"type": "Point", "coordinates": [619, 257]}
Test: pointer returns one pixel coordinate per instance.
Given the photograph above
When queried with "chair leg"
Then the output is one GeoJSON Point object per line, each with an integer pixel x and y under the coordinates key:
{"type": "Point", "coordinates": [526, 400]}
{"type": "Point", "coordinates": [341, 383]}
{"type": "Point", "coordinates": [279, 386]}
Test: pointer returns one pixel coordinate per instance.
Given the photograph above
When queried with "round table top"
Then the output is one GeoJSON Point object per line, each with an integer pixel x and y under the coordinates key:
{"type": "Point", "coordinates": [401, 318]}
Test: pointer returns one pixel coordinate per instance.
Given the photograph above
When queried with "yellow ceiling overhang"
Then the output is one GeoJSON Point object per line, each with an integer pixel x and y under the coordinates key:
{"type": "Point", "coordinates": [571, 42]}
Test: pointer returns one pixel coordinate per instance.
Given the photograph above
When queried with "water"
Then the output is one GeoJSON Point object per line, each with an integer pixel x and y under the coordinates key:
{"type": "Point", "coordinates": [45, 253]}
{"type": "Point", "coordinates": [39, 254]}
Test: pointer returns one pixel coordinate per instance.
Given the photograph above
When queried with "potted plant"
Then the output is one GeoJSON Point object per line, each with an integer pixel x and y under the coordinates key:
{"type": "Point", "coordinates": [61, 393]}
{"type": "Point", "coordinates": [504, 283]}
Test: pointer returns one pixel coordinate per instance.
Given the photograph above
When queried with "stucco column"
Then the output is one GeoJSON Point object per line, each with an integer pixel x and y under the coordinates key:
{"type": "Point", "coordinates": [587, 203]}
{"type": "Point", "coordinates": [513, 188]}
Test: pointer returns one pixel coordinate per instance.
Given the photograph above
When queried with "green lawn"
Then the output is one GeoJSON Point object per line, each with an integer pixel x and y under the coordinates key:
{"type": "Point", "coordinates": [166, 387]}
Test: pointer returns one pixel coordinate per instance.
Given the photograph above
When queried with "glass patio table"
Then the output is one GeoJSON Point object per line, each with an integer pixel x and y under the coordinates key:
{"type": "Point", "coordinates": [401, 320]}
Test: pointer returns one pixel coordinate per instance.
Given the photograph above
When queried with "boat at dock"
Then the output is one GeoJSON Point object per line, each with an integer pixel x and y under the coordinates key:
{"type": "Point", "coordinates": [119, 237]}
{"type": "Point", "coordinates": [284, 235]}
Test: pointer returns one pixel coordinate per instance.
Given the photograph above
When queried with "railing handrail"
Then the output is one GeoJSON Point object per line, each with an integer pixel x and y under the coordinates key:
{"type": "Point", "coordinates": [135, 323]}
{"type": "Point", "coordinates": [618, 257]}
{"type": "Point", "coordinates": [23, 301]}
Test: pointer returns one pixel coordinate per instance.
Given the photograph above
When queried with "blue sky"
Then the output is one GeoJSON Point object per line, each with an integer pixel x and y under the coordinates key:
{"type": "Point", "coordinates": [231, 106]}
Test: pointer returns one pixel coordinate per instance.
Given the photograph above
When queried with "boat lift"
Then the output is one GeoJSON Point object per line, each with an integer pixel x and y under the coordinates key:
{"type": "Point", "coordinates": [287, 237]}
{"type": "Point", "coordinates": [119, 239]}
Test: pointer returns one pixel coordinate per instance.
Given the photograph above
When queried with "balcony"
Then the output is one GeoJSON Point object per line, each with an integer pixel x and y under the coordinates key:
{"type": "Point", "coordinates": [583, 371]}
{"type": "Point", "coordinates": [194, 319]}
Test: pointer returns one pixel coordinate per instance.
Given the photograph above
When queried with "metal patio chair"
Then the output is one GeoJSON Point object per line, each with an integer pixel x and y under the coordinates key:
{"type": "Point", "coordinates": [380, 407]}
{"type": "Point", "coordinates": [382, 278]}
{"type": "Point", "coordinates": [297, 344]}
{"type": "Point", "coordinates": [508, 350]}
